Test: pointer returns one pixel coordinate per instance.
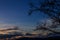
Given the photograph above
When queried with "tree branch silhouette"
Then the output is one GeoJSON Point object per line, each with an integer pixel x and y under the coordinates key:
{"type": "Point", "coordinates": [50, 8]}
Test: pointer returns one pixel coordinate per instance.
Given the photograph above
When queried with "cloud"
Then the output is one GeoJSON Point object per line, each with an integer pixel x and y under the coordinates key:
{"type": "Point", "coordinates": [8, 27]}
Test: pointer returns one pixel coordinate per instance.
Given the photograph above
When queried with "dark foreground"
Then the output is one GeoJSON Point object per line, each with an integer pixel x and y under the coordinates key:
{"type": "Point", "coordinates": [25, 38]}
{"type": "Point", "coordinates": [38, 39]}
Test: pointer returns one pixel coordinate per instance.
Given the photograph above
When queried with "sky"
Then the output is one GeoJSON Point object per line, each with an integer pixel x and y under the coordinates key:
{"type": "Point", "coordinates": [15, 13]}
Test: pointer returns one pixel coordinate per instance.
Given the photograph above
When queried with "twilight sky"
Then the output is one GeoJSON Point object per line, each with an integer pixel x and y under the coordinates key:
{"type": "Point", "coordinates": [15, 13]}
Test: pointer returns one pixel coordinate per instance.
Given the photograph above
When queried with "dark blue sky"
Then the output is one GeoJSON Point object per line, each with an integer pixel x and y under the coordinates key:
{"type": "Point", "coordinates": [15, 12]}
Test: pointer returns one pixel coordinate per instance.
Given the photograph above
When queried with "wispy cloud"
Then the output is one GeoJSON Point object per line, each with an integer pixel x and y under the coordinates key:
{"type": "Point", "coordinates": [5, 26]}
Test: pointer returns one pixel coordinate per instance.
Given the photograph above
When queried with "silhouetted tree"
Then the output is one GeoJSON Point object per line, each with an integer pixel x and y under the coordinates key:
{"type": "Point", "coordinates": [50, 8]}
{"type": "Point", "coordinates": [45, 26]}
